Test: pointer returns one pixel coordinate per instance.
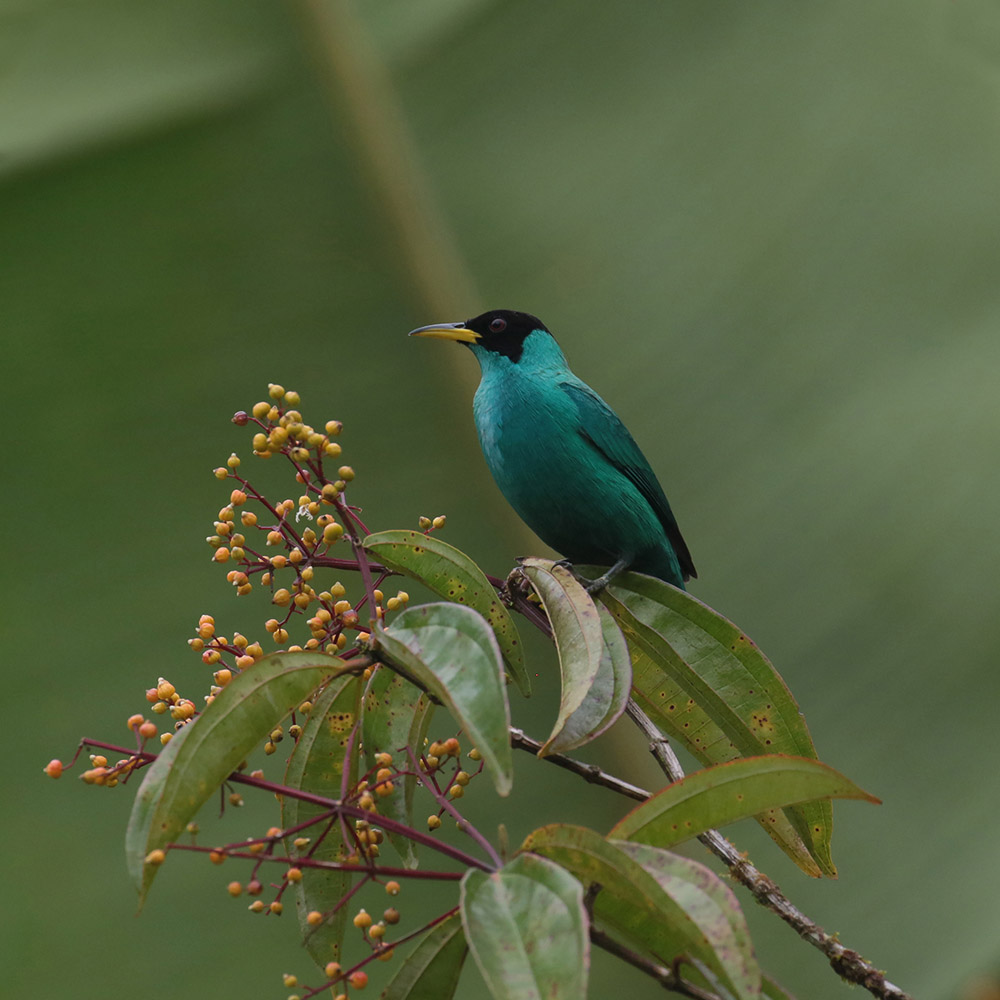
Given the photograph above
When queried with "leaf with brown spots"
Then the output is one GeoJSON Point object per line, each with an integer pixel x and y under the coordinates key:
{"type": "Point", "coordinates": [396, 715]}
{"type": "Point", "coordinates": [451, 574]}
{"type": "Point", "coordinates": [316, 765]}
{"type": "Point", "coordinates": [717, 796]}
{"type": "Point", "coordinates": [711, 661]}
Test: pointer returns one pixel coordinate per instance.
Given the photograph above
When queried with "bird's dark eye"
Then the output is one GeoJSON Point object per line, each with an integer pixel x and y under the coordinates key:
{"type": "Point", "coordinates": [498, 325]}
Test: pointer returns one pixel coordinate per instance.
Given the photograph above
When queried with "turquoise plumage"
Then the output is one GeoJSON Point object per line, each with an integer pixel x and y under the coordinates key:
{"type": "Point", "coordinates": [561, 456]}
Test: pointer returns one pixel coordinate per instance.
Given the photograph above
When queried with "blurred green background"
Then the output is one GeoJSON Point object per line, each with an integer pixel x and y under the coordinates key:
{"type": "Point", "coordinates": [765, 232]}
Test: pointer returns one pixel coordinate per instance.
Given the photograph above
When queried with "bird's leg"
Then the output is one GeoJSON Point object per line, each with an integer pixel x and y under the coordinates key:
{"type": "Point", "coordinates": [605, 578]}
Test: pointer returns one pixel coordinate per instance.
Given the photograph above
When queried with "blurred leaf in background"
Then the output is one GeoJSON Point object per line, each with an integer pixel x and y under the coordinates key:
{"type": "Point", "coordinates": [766, 233]}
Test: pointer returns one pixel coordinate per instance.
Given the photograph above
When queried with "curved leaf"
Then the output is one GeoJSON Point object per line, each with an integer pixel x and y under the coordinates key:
{"type": "Point", "coordinates": [450, 651]}
{"type": "Point", "coordinates": [450, 573]}
{"type": "Point", "coordinates": [317, 765]}
{"type": "Point", "coordinates": [729, 792]}
{"type": "Point", "coordinates": [593, 657]}
{"type": "Point", "coordinates": [527, 930]}
{"type": "Point", "coordinates": [433, 967]}
{"type": "Point", "coordinates": [728, 677]}
{"type": "Point", "coordinates": [678, 715]}
{"type": "Point", "coordinates": [712, 907]}
{"type": "Point", "coordinates": [773, 990]}
{"type": "Point", "coordinates": [194, 765]}
{"type": "Point", "coordinates": [668, 911]}
{"type": "Point", "coordinates": [396, 715]}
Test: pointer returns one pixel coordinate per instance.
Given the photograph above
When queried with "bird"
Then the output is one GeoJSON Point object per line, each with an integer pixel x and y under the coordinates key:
{"type": "Point", "coordinates": [562, 457]}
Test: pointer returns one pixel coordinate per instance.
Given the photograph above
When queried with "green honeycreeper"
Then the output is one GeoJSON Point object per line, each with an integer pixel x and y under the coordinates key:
{"type": "Point", "coordinates": [561, 456]}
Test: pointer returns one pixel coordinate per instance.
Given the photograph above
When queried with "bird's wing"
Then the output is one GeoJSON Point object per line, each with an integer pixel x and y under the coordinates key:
{"type": "Point", "coordinates": [602, 428]}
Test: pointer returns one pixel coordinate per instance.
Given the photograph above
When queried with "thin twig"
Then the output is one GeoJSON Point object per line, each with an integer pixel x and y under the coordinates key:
{"type": "Point", "coordinates": [589, 772]}
{"type": "Point", "coordinates": [847, 963]}
{"type": "Point", "coordinates": [665, 976]}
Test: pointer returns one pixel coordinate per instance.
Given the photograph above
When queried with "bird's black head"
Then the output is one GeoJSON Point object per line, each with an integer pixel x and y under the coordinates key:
{"type": "Point", "coordinates": [502, 331]}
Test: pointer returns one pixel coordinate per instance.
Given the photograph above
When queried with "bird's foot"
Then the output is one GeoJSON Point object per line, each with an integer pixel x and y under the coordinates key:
{"type": "Point", "coordinates": [596, 586]}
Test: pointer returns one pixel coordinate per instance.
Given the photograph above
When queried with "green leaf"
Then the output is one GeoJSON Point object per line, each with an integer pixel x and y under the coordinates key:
{"type": "Point", "coordinates": [431, 970]}
{"type": "Point", "coordinates": [199, 758]}
{"type": "Point", "coordinates": [712, 907]}
{"type": "Point", "coordinates": [593, 657]}
{"type": "Point", "coordinates": [451, 651]}
{"type": "Point", "coordinates": [657, 902]}
{"type": "Point", "coordinates": [396, 715]}
{"type": "Point", "coordinates": [727, 676]}
{"type": "Point", "coordinates": [316, 765]}
{"type": "Point", "coordinates": [450, 573]}
{"type": "Point", "coordinates": [729, 792]}
{"type": "Point", "coordinates": [527, 930]}
{"type": "Point", "coordinates": [679, 716]}
{"type": "Point", "coordinates": [774, 990]}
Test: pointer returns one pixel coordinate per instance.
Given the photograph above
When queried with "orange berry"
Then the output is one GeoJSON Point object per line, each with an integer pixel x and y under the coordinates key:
{"type": "Point", "coordinates": [332, 969]}
{"type": "Point", "coordinates": [314, 918]}
{"type": "Point", "coordinates": [54, 768]}
{"type": "Point", "coordinates": [358, 979]}
{"type": "Point", "coordinates": [362, 920]}
{"type": "Point", "coordinates": [134, 721]}
{"type": "Point", "coordinates": [392, 888]}
{"type": "Point", "coordinates": [234, 889]}
{"type": "Point", "coordinates": [148, 730]}
{"type": "Point", "coordinates": [216, 857]}
{"type": "Point", "coordinates": [294, 874]}
{"type": "Point", "coordinates": [276, 908]}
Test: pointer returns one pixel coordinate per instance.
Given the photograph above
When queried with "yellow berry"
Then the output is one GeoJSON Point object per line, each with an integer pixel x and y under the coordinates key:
{"type": "Point", "coordinates": [456, 792]}
{"type": "Point", "coordinates": [220, 473]}
{"type": "Point", "coordinates": [260, 409]}
{"type": "Point", "coordinates": [332, 969]}
{"type": "Point", "coordinates": [362, 919]}
{"type": "Point", "coordinates": [346, 473]}
{"type": "Point", "coordinates": [235, 889]}
{"type": "Point", "coordinates": [275, 391]}
{"type": "Point", "coordinates": [333, 427]}
{"type": "Point", "coordinates": [281, 597]}
{"type": "Point", "coordinates": [433, 822]}
{"type": "Point", "coordinates": [289, 980]}
{"type": "Point", "coordinates": [156, 857]}
{"type": "Point", "coordinates": [257, 906]}
{"type": "Point", "coordinates": [314, 918]}
{"type": "Point", "coordinates": [292, 398]}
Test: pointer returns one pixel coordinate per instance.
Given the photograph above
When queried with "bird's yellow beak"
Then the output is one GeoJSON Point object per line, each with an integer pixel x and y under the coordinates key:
{"type": "Point", "coordinates": [447, 331]}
